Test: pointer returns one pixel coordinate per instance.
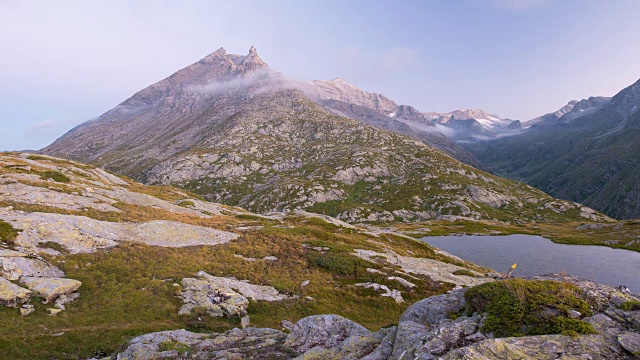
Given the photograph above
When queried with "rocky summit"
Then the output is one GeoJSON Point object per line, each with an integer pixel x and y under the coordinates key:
{"type": "Point", "coordinates": [232, 130]}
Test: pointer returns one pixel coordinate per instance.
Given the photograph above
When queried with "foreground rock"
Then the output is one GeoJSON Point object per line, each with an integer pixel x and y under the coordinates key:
{"type": "Point", "coordinates": [434, 328]}
{"type": "Point", "coordinates": [50, 288]}
{"type": "Point", "coordinates": [12, 295]}
{"type": "Point", "coordinates": [220, 296]}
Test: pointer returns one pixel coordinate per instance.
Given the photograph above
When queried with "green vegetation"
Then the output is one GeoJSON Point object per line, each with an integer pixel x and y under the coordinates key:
{"type": "Point", "coordinates": [186, 203]}
{"type": "Point", "coordinates": [55, 176]}
{"type": "Point", "coordinates": [55, 246]}
{"type": "Point", "coordinates": [464, 272]}
{"type": "Point", "coordinates": [630, 306]}
{"type": "Point", "coordinates": [181, 348]}
{"type": "Point", "coordinates": [518, 307]}
{"type": "Point", "coordinates": [7, 233]}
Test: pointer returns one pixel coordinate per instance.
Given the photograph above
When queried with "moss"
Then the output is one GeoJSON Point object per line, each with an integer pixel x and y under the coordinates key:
{"type": "Point", "coordinates": [169, 345]}
{"type": "Point", "coordinates": [464, 272]}
{"type": "Point", "coordinates": [8, 233]}
{"type": "Point", "coordinates": [186, 203]}
{"type": "Point", "coordinates": [518, 307]}
{"type": "Point", "coordinates": [55, 176]}
{"type": "Point", "coordinates": [630, 305]}
{"type": "Point", "coordinates": [55, 246]}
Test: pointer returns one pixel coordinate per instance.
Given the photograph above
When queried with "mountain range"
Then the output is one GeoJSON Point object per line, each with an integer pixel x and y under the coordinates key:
{"type": "Point", "coordinates": [588, 151]}
{"type": "Point", "coordinates": [233, 130]}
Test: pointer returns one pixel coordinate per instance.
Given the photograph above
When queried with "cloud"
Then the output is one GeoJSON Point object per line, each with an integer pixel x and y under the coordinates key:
{"type": "Point", "coordinates": [257, 82]}
{"type": "Point", "coordinates": [519, 4]}
{"type": "Point", "coordinates": [398, 58]}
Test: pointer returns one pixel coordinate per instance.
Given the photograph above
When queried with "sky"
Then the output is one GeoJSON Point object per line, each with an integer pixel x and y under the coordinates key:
{"type": "Point", "coordinates": [66, 62]}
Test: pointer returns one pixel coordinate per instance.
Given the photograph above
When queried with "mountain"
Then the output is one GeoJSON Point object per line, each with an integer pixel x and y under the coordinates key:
{"type": "Point", "coordinates": [593, 158]}
{"type": "Point", "coordinates": [234, 131]}
{"type": "Point", "coordinates": [344, 99]}
{"type": "Point", "coordinates": [573, 110]}
{"type": "Point", "coordinates": [475, 125]}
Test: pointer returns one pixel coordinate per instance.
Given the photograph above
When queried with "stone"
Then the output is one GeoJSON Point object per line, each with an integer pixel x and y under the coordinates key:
{"type": "Point", "coordinates": [630, 342]}
{"type": "Point", "coordinates": [26, 309]}
{"type": "Point", "coordinates": [12, 295]}
{"type": "Point", "coordinates": [64, 299]}
{"type": "Point", "coordinates": [50, 288]}
{"type": "Point", "coordinates": [244, 322]}
{"type": "Point", "coordinates": [394, 294]}
{"type": "Point", "coordinates": [249, 343]}
{"type": "Point", "coordinates": [543, 347]}
{"type": "Point", "coordinates": [434, 309]}
{"type": "Point", "coordinates": [325, 331]}
{"type": "Point", "coordinates": [13, 267]}
{"type": "Point", "coordinates": [53, 311]}
{"type": "Point", "coordinates": [270, 258]}
{"type": "Point", "coordinates": [305, 283]}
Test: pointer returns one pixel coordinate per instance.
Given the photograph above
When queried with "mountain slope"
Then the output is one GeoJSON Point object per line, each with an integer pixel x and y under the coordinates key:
{"type": "Point", "coordinates": [228, 128]}
{"type": "Point", "coordinates": [593, 159]}
{"type": "Point", "coordinates": [344, 99]}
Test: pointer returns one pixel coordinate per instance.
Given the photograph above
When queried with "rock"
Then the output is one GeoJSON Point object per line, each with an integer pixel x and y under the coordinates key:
{"type": "Point", "coordinates": [434, 309]}
{"type": "Point", "coordinates": [13, 267]}
{"type": "Point", "coordinates": [64, 299]}
{"type": "Point", "coordinates": [12, 295]}
{"type": "Point", "coordinates": [325, 331]}
{"type": "Point", "coordinates": [270, 258]}
{"type": "Point", "coordinates": [402, 281]}
{"type": "Point", "coordinates": [385, 347]}
{"type": "Point", "coordinates": [50, 288]}
{"type": "Point", "coordinates": [26, 309]}
{"type": "Point", "coordinates": [53, 311]}
{"type": "Point", "coordinates": [544, 347]}
{"type": "Point", "coordinates": [574, 314]}
{"type": "Point", "coordinates": [244, 322]}
{"type": "Point", "coordinates": [630, 342]}
{"type": "Point", "coordinates": [305, 283]}
{"type": "Point", "coordinates": [249, 343]}
{"type": "Point", "coordinates": [394, 294]}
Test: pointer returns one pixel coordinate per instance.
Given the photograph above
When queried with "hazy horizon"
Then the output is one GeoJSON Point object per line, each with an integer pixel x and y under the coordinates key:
{"type": "Point", "coordinates": [66, 63]}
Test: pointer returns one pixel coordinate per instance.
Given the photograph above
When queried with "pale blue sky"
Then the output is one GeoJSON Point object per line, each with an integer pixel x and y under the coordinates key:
{"type": "Point", "coordinates": [65, 62]}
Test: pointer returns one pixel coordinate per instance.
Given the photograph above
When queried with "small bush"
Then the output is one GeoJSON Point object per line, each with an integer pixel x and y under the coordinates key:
{"type": "Point", "coordinates": [7, 233]}
{"type": "Point", "coordinates": [186, 203]}
{"type": "Point", "coordinates": [55, 176]}
{"type": "Point", "coordinates": [518, 307]}
{"type": "Point", "coordinates": [55, 246]}
{"type": "Point", "coordinates": [337, 263]}
{"type": "Point", "coordinates": [464, 272]}
{"type": "Point", "coordinates": [630, 305]}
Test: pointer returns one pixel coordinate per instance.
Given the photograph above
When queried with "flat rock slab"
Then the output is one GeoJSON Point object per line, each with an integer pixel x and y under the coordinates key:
{"type": "Point", "coordinates": [249, 343]}
{"type": "Point", "coordinates": [13, 267]}
{"type": "Point", "coordinates": [50, 288]}
{"type": "Point", "coordinates": [630, 342]}
{"type": "Point", "coordinates": [79, 234]}
{"type": "Point", "coordinates": [12, 295]}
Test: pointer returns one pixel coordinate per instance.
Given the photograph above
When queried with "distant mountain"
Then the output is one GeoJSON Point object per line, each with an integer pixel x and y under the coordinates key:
{"type": "Point", "coordinates": [573, 110]}
{"type": "Point", "coordinates": [344, 99]}
{"type": "Point", "coordinates": [234, 131]}
{"type": "Point", "coordinates": [589, 151]}
{"type": "Point", "coordinates": [475, 124]}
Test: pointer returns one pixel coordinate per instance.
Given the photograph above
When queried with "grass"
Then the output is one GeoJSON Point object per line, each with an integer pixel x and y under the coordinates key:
{"type": "Point", "coordinates": [129, 290]}
{"type": "Point", "coordinates": [55, 176]}
{"type": "Point", "coordinates": [8, 233]}
{"type": "Point", "coordinates": [630, 306]}
{"type": "Point", "coordinates": [518, 307]}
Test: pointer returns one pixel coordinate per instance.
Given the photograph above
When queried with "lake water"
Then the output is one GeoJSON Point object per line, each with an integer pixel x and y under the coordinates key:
{"type": "Point", "coordinates": [536, 255]}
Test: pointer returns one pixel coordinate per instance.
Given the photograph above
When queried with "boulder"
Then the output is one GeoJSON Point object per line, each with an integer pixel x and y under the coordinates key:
{"type": "Point", "coordinates": [50, 288]}
{"type": "Point", "coordinates": [435, 308]}
{"type": "Point", "coordinates": [12, 295]}
{"type": "Point", "coordinates": [543, 347]}
{"type": "Point", "coordinates": [13, 267]}
{"type": "Point", "coordinates": [325, 331]}
{"type": "Point", "coordinates": [249, 343]}
{"type": "Point", "coordinates": [630, 342]}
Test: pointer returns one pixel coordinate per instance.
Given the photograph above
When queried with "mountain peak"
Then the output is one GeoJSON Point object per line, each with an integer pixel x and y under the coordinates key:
{"type": "Point", "coordinates": [253, 50]}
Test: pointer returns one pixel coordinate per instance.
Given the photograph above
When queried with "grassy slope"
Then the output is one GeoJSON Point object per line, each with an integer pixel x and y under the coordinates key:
{"type": "Point", "coordinates": [129, 290]}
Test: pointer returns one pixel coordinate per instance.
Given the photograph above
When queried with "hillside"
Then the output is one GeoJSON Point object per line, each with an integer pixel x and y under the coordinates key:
{"type": "Point", "coordinates": [592, 159]}
{"type": "Point", "coordinates": [138, 252]}
{"type": "Point", "coordinates": [231, 130]}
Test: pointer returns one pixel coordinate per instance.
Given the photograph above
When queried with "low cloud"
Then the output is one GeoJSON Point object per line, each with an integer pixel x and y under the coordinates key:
{"type": "Point", "coordinates": [258, 82]}
{"type": "Point", "coordinates": [433, 128]}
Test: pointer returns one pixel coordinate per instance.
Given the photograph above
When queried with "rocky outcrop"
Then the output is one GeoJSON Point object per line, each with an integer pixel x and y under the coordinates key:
{"type": "Point", "coordinates": [50, 288]}
{"type": "Point", "coordinates": [434, 328]}
{"type": "Point", "coordinates": [219, 296]}
{"type": "Point", "coordinates": [12, 295]}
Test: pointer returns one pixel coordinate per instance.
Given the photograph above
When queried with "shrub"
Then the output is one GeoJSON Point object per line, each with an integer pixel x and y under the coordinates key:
{"type": "Point", "coordinates": [337, 263]}
{"type": "Point", "coordinates": [518, 307]}
{"type": "Point", "coordinates": [7, 233]}
{"type": "Point", "coordinates": [633, 305]}
{"type": "Point", "coordinates": [464, 272]}
{"type": "Point", "coordinates": [55, 176]}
